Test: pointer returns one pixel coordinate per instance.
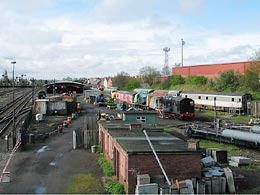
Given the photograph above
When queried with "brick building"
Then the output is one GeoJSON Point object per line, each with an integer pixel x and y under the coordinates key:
{"type": "Point", "coordinates": [124, 144]}
{"type": "Point", "coordinates": [210, 70]}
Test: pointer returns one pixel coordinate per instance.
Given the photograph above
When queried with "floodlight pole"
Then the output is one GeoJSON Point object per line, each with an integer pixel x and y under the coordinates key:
{"type": "Point", "coordinates": [182, 43]}
{"type": "Point", "coordinates": [13, 130]}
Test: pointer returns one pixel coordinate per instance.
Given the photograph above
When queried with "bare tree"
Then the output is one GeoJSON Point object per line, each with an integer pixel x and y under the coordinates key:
{"type": "Point", "coordinates": [121, 79]}
{"type": "Point", "coordinates": [148, 74]}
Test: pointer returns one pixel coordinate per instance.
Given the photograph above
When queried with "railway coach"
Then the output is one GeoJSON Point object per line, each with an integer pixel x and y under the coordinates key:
{"type": "Point", "coordinates": [231, 102]}
{"type": "Point", "coordinates": [125, 96]}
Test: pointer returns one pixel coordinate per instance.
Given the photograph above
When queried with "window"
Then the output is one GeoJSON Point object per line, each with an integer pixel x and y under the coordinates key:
{"type": "Point", "coordinates": [141, 118]}
{"type": "Point", "coordinates": [207, 98]}
{"type": "Point", "coordinates": [199, 97]}
{"type": "Point", "coordinates": [232, 99]}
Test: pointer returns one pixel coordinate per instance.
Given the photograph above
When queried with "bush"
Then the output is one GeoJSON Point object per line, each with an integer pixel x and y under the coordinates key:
{"type": "Point", "coordinates": [115, 188]}
{"type": "Point", "coordinates": [106, 166]}
{"type": "Point", "coordinates": [196, 80]}
{"type": "Point", "coordinates": [176, 80]}
{"type": "Point", "coordinates": [99, 149]}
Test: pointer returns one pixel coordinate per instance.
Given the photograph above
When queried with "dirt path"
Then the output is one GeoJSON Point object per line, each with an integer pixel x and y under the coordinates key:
{"type": "Point", "coordinates": [48, 167]}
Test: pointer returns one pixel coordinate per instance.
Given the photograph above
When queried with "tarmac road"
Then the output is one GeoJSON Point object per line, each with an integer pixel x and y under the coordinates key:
{"type": "Point", "coordinates": [47, 167]}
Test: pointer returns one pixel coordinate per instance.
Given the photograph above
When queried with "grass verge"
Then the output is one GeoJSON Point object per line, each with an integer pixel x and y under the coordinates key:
{"type": "Point", "coordinates": [84, 184]}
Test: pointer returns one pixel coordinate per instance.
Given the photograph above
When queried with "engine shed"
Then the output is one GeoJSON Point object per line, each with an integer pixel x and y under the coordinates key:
{"type": "Point", "coordinates": [64, 87]}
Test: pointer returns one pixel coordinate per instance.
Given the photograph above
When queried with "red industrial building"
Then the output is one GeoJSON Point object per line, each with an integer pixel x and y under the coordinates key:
{"type": "Point", "coordinates": [210, 70]}
{"type": "Point", "coordinates": [125, 145]}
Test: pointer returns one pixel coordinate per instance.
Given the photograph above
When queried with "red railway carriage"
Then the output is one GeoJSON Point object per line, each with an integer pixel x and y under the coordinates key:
{"type": "Point", "coordinates": [125, 96]}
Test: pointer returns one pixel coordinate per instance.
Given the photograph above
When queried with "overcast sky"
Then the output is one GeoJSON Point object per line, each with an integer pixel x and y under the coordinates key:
{"type": "Point", "coordinates": [55, 39]}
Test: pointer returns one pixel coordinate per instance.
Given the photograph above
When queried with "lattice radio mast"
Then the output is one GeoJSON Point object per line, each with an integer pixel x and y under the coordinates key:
{"type": "Point", "coordinates": [165, 70]}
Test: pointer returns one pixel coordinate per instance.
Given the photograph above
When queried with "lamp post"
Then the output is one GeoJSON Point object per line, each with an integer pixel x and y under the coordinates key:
{"type": "Point", "coordinates": [33, 80]}
{"type": "Point", "coordinates": [53, 87]}
{"type": "Point", "coordinates": [182, 43]}
{"type": "Point", "coordinates": [13, 131]}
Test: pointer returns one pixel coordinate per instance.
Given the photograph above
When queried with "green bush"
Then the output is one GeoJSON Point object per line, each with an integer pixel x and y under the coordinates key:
{"type": "Point", "coordinates": [99, 149]}
{"type": "Point", "coordinates": [106, 166]}
{"type": "Point", "coordinates": [176, 80]}
{"type": "Point", "coordinates": [196, 80]}
{"type": "Point", "coordinates": [115, 188]}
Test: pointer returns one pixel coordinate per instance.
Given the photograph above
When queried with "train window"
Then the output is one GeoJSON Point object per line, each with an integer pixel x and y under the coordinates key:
{"type": "Point", "coordinates": [207, 98]}
{"type": "Point", "coordinates": [191, 103]}
{"type": "Point", "coordinates": [239, 100]}
{"type": "Point", "coordinates": [141, 119]}
{"type": "Point", "coordinates": [232, 99]}
{"type": "Point", "coordinates": [199, 97]}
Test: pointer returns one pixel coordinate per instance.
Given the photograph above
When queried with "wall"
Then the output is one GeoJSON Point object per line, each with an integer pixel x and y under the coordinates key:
{"type": "Point", "coordinates": [210, 70]}
{"type": "Point", "coordinates": [177, 166]}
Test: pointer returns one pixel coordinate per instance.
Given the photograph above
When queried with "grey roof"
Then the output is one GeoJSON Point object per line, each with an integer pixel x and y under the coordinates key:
{"type": "Point", "coordinates": [134, 141]}
{"type": "Point", "coordinates": [65, 82]}
{"type": "Point", "coordinates": [139, 112]}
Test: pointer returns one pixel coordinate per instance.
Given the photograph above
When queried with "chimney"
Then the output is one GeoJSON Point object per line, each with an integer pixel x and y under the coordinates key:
{"type": "Point", "coordinates": [193, 144]}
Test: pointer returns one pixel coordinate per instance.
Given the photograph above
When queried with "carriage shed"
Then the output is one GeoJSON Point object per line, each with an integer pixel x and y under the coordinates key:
{"type": "Point", "coordinates": [64, 87]}
{"type": "Point", "coordinates": [125, 146]}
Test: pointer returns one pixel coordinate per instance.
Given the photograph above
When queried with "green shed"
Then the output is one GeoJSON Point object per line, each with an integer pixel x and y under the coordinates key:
{"type": "Point", "coordinates": [144, 116]}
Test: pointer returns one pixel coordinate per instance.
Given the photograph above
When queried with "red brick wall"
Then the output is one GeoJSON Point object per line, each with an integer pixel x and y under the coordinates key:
{"type": "Point", "coordinates": [183, 71]}
{"type": "Point", "coordinates": [177, 166]}
{"type": "Point", "coordinates": [210, 70]}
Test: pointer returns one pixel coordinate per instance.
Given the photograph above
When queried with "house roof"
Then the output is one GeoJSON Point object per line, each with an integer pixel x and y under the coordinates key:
{"type": "Point", "coordinates": [134, 141]}
{"type": "Point", "coordinates": [138, 112]}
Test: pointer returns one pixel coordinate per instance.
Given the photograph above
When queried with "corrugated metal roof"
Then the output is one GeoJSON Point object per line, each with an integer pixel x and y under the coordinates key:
{"type": "Point", "coordinates": [65, 82]}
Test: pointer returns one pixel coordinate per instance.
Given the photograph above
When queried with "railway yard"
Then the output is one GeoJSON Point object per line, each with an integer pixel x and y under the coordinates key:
{"type": "Point", "coordinates": [15, 105]}
{"type": "Point", "coordinates": [49, 137]}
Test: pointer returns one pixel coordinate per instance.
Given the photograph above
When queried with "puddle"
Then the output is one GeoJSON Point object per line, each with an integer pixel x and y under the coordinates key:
{"type": "Point", "coordinates": [40, 189]}
{"type": "Point", "coordinates": [54, 162]}
{"type": "Point", "coordinates": [44, 149]}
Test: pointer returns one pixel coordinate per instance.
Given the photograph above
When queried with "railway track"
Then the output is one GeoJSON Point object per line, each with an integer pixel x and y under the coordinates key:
{"type": "Point", "coordinates": [13, 112]}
